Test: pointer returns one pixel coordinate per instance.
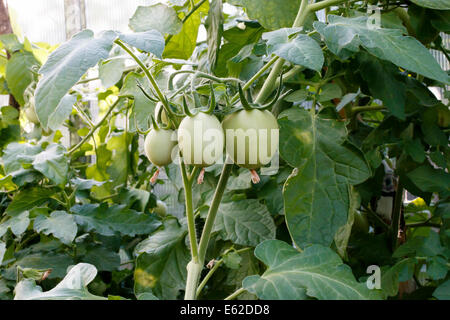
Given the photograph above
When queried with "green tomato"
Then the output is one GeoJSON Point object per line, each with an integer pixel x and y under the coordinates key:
{"type": "Point", "coordinates": [251, 137]}
{"type": "Point", "coordinates": [31, 115]}
{"type": "Point", "coordinates": [361, 223]}
{"type": "Point", "coordinates": [164, 118]}
{"type": "Point", "coordinates": [160, 209]}
{"type": "Point", "coordinates": [159, 146]}
{"type": "Point", "coordinates": [201, 139]}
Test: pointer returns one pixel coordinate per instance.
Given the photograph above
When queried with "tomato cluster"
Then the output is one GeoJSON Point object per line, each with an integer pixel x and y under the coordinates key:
{"type": "Point", "coordinates": [249, 136]}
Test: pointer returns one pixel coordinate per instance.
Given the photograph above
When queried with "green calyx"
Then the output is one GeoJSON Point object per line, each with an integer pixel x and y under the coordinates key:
{"type": "Point", "coordinates": [210, 108]}
{"type": "Point", "coordinates": [250, 105]}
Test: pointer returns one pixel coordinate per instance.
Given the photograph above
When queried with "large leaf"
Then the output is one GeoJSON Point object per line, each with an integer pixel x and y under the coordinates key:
{"type": "Point", "coordinates": [18, 224]}
{"type": "Point", "coordinates": [182, 45]}
{"type": "Point", "coordinates": [62, 111]}
{"type": "Point", "coordinates": [60, 224]}
{"type": "Point", "coordinates": [57, 262]}
{"type": "Point", "coordinates": [108, 220]}
{"type": "Point", "coordinates": [103, 258]}
{"type": "Point", "coordinates": [151, 41]}
{"type": "Point", "coordinates": [428, 179]}
{"type": "Point", "coordinates": [110, 72]}
{"type": "Point", "coordinates": [244, 222]}
{"type": "Point", "coordinates": [316, 197]}
{"type": "Point", "coordinates": [317, 272]}
{"type": "Point", "coordinates": [143, 108]}
{"type": "Point", "coordinates": [53, 163]}
{"type": "Point", "coordinates": [17, 154]}
{"type": "Point", "coordinates": [383, 84]}
{"type": "Point", "coordinates": [28, 199]}
{"type": "Point", "coordinates": [433, 4]}
{"type": "Point", "coordinates": [19, 74]}
{"type": "Point", "coordinates": [301, 50]}
{"type": "Point", "coordinates": [158, 17]}
{"type": "Point", "coordinates": [72, 287]}
{"type": "Point", "coordinates": [343, 37]}
{"type": "Point", "coordinates": [443, 291]}
{"type": "Point", "coordinates": [161, 265]}
{"type": "Point", "coordinates": [271, 14]}
{"type": "Point", "coordinates": [66, 65]}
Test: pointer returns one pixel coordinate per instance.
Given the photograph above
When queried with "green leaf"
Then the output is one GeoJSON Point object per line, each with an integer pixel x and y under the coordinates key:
{"type": "Point", "coordinates": [241, 182]}
{"type": "Point", "coordinates": [244, 222]}
{"type": "Point", "coordinates": [62, 111]}
{"type": "Point", "coordinates": [110, 72]}
{"type": "Point", "coordinates": [18, 224]}
{"type": "Point", "coordinates": [2, 251]}
{"type": "Point", "coordinates": [316, 197]}
{"type": "Point", "coordinates": [420, 246]}
{"type": "Point", "coordinates": [390, 278]}
{"type": "Point", "coordinates": [443, 291]}
{"type": "Point", "coordinates": [143, 108]}
{"type": "Point", "coordinates": [158, 17]}
{"type": "Point", "coordinates": [72, 287]}
{"type": "Point", "coordinates": [433, 4]}
{"type": "Point", "coordinates": [27, 199]}
{"type": "Point", "coordinates": [343, 37]}
{"type": "Point", "coordinates": [104, 259]}
{"type": "Point", "coordinates": [329, 92]}
{"type": "Point", "coordinates": [53, 163]}
{"type": "Point", "coordinates": [342, 236]}
{"type": "Point", "coordinates": [232, 260]}
{"type": "Point", "coordinates": [271, 14]}
{"type": "Point", "coordinates": [19, 74]}
{"type": "Point", "coordinates": [17, 154]}
{"type": "Point", "coordinates": [214, 29]}
{"type": "Point", "coordinates": [382, 79]}
{"type": "Point", "coordinates": [428, 179]}
{"type": "Point", "coordinates": [317, 272]}
{"type": "Point", "coordinates": [161, 265]}
{"type": "Point", "coordinates": [58, 262]}
{"type": "Point", "coordinates": [60, 224]}
{"type": "Point", "coordinates": [301, 50]}
{"type": "Point", "coordinates": [66, 65]}
{"type": "Point", "coordinates": [151, 41]}
{"type": "Point", "coordinates": [108, 220]}
{"type": "Point", "coordinates": [182, 45]}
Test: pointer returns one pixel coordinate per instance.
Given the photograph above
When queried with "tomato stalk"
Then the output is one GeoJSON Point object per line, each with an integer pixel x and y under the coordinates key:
{"type": "Point", "coordinates": [92, 131]}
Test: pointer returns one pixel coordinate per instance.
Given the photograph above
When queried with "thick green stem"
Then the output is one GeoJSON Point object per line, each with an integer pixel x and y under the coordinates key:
{"type": "Point", "coordinates": [326, 4]}
{"type": "Point", "coordinates": [235, 294]}
{"type": "Point", "coordinates": [209, 223]}
{"type": "Point", "coordinates": [194, 270]}
{"type": "Point", "coordinates": [216, 266]}
{"type": "Point", "coordinates": [396, 215]}
{"type": "Point", "coordinates": [270, 82]}
{"type": "Point", "coordinates": [255, 77]}
{"type": "Point", "coordinates": [187, 183]}
{"type": "Point", "coordinates": [357, 110]}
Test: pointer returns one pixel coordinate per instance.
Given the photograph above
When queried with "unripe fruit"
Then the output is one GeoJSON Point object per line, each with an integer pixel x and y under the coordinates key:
{"type": "Point", "coordinates": [201, 139]}
{"type": "Point", "coordinates": [159, 145]}
{"type": "Point", "coordinates": [251, 137]}
{"type": "Point", "coordinates": [164, 118]}
{"type": "Point", "coordinates": [160, 209]}
{"type": "Point", "coordinates": [31, 115]}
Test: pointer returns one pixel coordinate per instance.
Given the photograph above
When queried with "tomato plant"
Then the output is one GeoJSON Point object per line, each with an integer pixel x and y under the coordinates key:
{"type": "Point", "coordinates": [144, 196]}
